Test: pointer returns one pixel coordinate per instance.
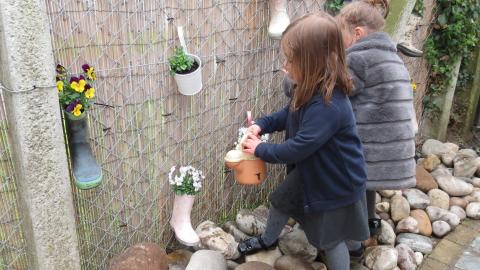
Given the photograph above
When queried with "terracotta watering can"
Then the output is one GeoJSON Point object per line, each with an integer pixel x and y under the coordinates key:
{"type": "Point", "coordinates": [248, 169]}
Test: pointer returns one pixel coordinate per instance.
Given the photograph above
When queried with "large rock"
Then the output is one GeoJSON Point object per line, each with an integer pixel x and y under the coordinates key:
{"type": "Point", "coordinates": [447, 158]}
{"type": "Point", "coordinates": [453, 186]}
{"type": "Point", "coordinates": [399, 208]}
{"type": "Point", "coordinates": [424, 224]}
{"type": "Point", "coordinates": [231, 228]}
{"type": "Point", "coordinates": [290, 262]}
{"type": "Point", "coordinates": [464, 165]}
{"type": "Point", "coordinates": [457, 210]}
{"type": "Point", "coordinates": [431, 162]}
{"type": "Point", "coordinates": [268, 256]}
{"type": "Point", "coordinates": [178, 258]}
{"type": "Point", "coordinates": [252, 266]}
{"type": "Point", "coordinates": [406, 257]}
{"type": "Point", "coordinates": [473, 210]}
{"type": "Point", "coordinates": [475, 181]}
{"type": "Point", "coordinates": [473, 197]}
{"type": "Point", "coordinates": [418, 258]}
{"type": "Point", "coordinates": [416, 198]}
{"type": "Point", "coordinates": [408, 224]}
{"type": "Point", "coordinates": [416, 242]}
{"type": "Point", "coordinates": [139, 257]}
{"type": "Point", "coordinates": [250, 223]}
{"type": "Point", "coordinates": [434, 147]}
{"type": "Point", "coordinates": [440, 228]}
{"type": "Point", "coordinates": [320, 266]}
{"type": "Point", "coordinates": [477, 160]}
{"type": "Point", "coordinates": [439, 198]}
{"type": "Point", "coordinates": [382, 207]}
{"type": "Point", "coordinates": [381, 258]}
{"type": "Point", "coordinates": [214, 238]}
{"type": "Point", "coordinates": [458, 202]}
{"type": "Point", "coordinates": [436, 213]}
{"type": "Point", "coordinates": [468, 153]}
{"type": "Point", "coordinates": [387, 193]}
{"type": "Point", "coordinates": [386, 234]}
{"type": "Point", "coordinates": [425, 181]}
{"type": "Point", "coordinates": [296, 244]}
{"type": "Point", "coordinates": [207, 259]}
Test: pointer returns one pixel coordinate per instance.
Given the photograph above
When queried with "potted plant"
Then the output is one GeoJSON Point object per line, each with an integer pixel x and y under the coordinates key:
{"type": "Point", "coordinates": [187, 71]}
{"type": "Point", "coordinates": [186, 183]}
{"type": "Point", "coordinates": [76, 93]}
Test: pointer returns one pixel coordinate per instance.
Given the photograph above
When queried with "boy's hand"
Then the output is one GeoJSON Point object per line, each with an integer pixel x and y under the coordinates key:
{"type": "Point", "coordinates": [254, 130]}
{"type": "Point", "coordinates": [251, 143]}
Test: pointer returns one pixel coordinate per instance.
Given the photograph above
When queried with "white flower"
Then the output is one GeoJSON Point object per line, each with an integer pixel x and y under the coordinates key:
{"type": "Point", "coordinates": [185, 172]}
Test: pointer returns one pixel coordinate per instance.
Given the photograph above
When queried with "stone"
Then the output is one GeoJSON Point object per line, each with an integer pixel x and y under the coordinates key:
{"type": "Point", "coordinates": [416, 198]}
{"type": "Point", "coordinates": [250, 223]}
{"type": "Point", "coordinates": [418, 257]}
{"type": "Point", "coordinates": [440, 228]}
{"type": "Point", "coordinates": [416, 242]}
{"type": "Point", "coordinates": [425, 181]}
{"type": "Point", "coordinates": [386, 234]}
{"type": "Point", "coordinates": [453, 186]}
{"type": "Point", "coordinates": [290, 262]}
{"type": "Point", "coordinates": [408, 224]}
{"type": "Point", "coordinates": [473, 210]}
{"type": "Point", "coordinates": [231, 228]}
{"type": "Point", "coordinates": [381, 258]}
{"type": "Point", "coordinates": [475, 181]}
{"type": "Point", "coordinates": [387, 193]}
{"type": "Point", "coordinates": [399, 208]}
{"type": "Point", "coordinates": [406, 257]}
{"type": "Point", "coordinates": [382, 207]}
{"type": "Point", "coordinates": [296, 244]}
{"type": "Point", "coordinates": [458, 202]}
{"type": "Point", "coordinates": [207, 259]}
{"type": "Point", "coordinates": [371, 242]}
{"type": "Point", "coordinates": [179, 258]}
{"type": "Point", "coordinates": [464, 165]}
{"type": "Point", "coordinates": [139, 257]}
{"type": "Point", "coordinates": [473, 197]}
{"type": "Point", "coordinates": [384, 216]}
{"type": "Point", "coordinates": [447, 158]}
{"type": "Point", "coordinates": [468, 153]}
{"type": "Point", "coordinates": [477, 160]}
{"type": "Point", "coordinates": [434, 147]}
{"type": "Point", "coordinates": [457, 210]}
{"type": "Point", "coordinates": [439, 198]}
{"type": "Point", "coordinates": [252, 266]}
{"type": "Point", "coordinates": [231, 265]}
{"type": "Point", "coordinates": [436, 213]}
{"type": "Point", "coordinates": [378, 198]}
{"type": "Point", "coordinates": [214, 238]}
{"type": "Point", "coordinates": [424, 224]}
{"type": "Point", "coordinates": [451, 147]}
{"type": "Point", "coordinates": [318, 266]}
{"type": "Point", "coordinates": [268, 256]}
{"type": "Point", "coordinates": [358, 266]}
{"type": "Point", "coordinates": [431, 162]}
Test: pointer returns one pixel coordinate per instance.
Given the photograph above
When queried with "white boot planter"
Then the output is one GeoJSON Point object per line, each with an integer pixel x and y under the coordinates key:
{"type": "Point", "coordinates": [187, 71]}
{"type": "Point", "coordinates": [279, 19]}
{"type": "Point", "coordinates": [75, 95]}
{"type": "Point", "coordinates": [186, 185]}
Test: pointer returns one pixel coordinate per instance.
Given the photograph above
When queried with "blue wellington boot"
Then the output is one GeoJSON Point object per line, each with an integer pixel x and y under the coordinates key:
{"type": "Point", "coordinates": [86, 172]}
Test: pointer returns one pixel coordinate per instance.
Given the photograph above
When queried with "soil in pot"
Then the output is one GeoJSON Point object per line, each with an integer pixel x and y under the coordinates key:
{"type": "Point", "coordinates": [192, 69]}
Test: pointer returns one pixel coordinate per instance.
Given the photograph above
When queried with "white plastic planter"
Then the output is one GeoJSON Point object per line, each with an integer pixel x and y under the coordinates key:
{"type": "Point", "coordinates": [191, 83]}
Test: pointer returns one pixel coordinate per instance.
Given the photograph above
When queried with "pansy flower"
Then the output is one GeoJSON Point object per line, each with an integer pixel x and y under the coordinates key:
{"type": "Point", "coordinates": [78, 84]}
{"type": "Point", "coordinates": [77, 110]}
{"type": "Point", "coordinates": [89, 91]}
{"type": "Point", "coordinates": [61, 70]}
{"type": "Point", "coordinates": [90, 72]}
{"type": "Point", "coordinates": [72, 105]}
{"type": "Point", "coordinates": [60, 86]}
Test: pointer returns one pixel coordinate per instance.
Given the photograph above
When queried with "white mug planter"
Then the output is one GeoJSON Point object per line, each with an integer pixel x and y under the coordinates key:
{"type": "Point", "coordinates": [191, 83]}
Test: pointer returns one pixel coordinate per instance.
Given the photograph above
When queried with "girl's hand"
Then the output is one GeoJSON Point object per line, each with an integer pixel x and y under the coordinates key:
{"type": "Point", "coordinates": [254, 130]}
{"type": "Point", "coordinates": [251, 143]}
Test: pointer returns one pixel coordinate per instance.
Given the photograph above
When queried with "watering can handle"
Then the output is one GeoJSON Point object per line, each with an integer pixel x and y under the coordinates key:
{"type": "Point", "coordinates": [249, 118]}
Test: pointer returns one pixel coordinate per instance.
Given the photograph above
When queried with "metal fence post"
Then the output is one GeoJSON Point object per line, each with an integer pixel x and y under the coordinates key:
{"type": "Point", "coordinates": [35, 129]}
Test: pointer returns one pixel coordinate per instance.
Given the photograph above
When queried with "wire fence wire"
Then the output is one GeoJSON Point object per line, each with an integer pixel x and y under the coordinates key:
{"type": "Point", "coordinates": [145, 126]}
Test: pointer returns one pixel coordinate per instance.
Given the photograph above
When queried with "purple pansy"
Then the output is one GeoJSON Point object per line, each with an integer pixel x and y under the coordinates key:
{"type": "Point", "coordinates": [72, 105]}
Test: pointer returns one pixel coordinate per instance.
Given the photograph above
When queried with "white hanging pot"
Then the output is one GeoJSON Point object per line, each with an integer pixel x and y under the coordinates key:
{"type": "Point", "coordinates": [191, 83]}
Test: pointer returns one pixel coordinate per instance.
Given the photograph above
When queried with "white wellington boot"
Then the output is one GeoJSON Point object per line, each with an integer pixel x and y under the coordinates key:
{"type": "Point", "coordinates": [180, 221]}
{"type": "Point", "coordinates": [279, 19]}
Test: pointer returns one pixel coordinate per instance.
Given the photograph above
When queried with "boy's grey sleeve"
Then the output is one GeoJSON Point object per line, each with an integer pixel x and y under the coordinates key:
{"type": "Point", "coordinates": [288, 85]}
{"type": "Point", "coordinates": [357, 67]}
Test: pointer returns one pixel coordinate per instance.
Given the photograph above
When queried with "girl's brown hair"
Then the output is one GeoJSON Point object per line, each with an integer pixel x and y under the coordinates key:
{"type": "Point", "coordinates": [370, 14]}
{"type": "Point", "coordinates": [313, 45]}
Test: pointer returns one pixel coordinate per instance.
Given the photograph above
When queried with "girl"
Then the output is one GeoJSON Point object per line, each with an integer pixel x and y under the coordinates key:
{"type": "Point", "coordinates": [325, 187]}
{"type": "Point", "coordinates": [381, 99]}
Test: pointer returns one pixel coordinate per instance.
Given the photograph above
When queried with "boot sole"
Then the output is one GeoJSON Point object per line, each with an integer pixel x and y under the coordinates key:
{"type": "Point", "coordinates": [186, 243]}
{"type": "Point", "coordinates": [89, 184]}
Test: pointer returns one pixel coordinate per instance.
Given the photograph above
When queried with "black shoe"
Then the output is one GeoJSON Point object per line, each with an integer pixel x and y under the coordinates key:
{"type": "Point", "coordinates": [252, 245]}
{"type": "Point", "coordinates": [374, 224]}
{"type": "Point", "coordinates": [409, 50]}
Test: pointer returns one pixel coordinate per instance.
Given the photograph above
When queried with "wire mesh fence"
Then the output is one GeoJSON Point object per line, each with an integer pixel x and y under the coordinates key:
{"type": "Point", "coordinates": [142, 126]}
{"type": "Point", "coordinates": [13, 253]}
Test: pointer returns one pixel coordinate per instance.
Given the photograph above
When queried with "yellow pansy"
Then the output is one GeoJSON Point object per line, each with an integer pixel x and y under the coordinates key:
{"type": "Point", "coordinates": [60, 86]}
{"type": "Point", "coordinates": [90, 93]}
{"type": "Point", "coordinates": [76, 111]}
{"type": "Point", "coordinates": [414, 86]}
{"type": "Point", "coordinates": [78, 86]}
{"type": "Point", "coordinates": [91, 74]}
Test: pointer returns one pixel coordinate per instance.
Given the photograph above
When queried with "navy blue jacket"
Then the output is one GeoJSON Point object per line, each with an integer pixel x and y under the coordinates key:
{"type": "Point", "coordinates": [323, 144]}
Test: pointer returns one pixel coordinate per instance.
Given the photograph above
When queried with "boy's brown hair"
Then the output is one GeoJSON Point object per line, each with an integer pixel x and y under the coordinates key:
{"type": "Point", "coordinates": [370, 14]}
{"type": "Point", "coordinates": [314, 46]}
